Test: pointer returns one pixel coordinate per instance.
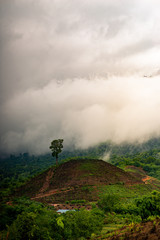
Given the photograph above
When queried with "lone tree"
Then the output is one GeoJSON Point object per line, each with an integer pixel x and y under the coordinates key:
{"type": "Point", "coordinates": [56, 148]}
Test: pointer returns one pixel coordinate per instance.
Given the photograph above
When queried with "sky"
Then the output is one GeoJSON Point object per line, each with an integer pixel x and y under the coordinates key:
{"type": "Point", "coordinates": [86, 71]}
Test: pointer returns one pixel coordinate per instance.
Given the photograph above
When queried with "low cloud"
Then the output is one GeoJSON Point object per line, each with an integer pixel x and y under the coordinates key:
{"type": "Point", "coordinates": [83, 112]}
{"type": "Point", "coordinates": [106, 157]}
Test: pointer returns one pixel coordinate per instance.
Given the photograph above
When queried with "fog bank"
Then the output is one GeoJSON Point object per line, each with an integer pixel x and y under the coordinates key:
{"type": "Point", "coordinates": [83, 112]}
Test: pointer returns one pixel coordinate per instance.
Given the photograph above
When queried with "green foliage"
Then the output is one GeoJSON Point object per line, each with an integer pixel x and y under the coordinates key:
{"type": "Point", "coordinates": [60, 221]}
{"type": "Point", "coordinates": [34, 226]}
{"type": "Point", "coordinates": [32, 221]}
{"type": "Point", "coordinates": [23, 227]}
{"type": "Point", "coordinates": [114, 218]}
{"type": "Point", "coordinates": [78, 201]}
{"type": "Point", "coordinates": [108, 202]}
{"type": "Point", "coordinates": [149, 161]}
{"type": "Point", "coordinates": [127, 208]}
{"type": "Point", "coordinates": [7, 215]}
{"type": "Point", "coordinates": [149, 205]}
{"type": "Point", "coordinates": [56, 147]}
{"type": "Point", "coordinates": [82, 223]}
{"type": "Point", "coordinates": [89, 166]}
{"type": "Point", "coordinates": [120, 198]}
{"type": "Point", "coordinates": [15, 170]}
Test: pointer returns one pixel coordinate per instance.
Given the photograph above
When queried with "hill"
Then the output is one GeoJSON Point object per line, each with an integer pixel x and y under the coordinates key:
{"type": "Point", "coordinates": [16, 169]}
{"type": "Point", "coordinates": [77, 179]}
{"type": "Point", "coordinates": [119, 197]}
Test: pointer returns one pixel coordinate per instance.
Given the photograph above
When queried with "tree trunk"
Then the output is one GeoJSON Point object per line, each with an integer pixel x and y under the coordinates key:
{"type": "Point", "coordinates": [56, 160]}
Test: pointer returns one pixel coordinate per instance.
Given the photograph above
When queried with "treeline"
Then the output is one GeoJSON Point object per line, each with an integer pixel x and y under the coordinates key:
{"type": "Point", "coordinates": [140, 208]}
{"type": "Point", "coordinates": [149, 161]}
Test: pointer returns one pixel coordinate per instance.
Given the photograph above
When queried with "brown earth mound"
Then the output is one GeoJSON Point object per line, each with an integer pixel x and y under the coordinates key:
{"type": "Point", "coordinates": [75, 179]}
{"type": "Point", "coordinates": [90, 172]}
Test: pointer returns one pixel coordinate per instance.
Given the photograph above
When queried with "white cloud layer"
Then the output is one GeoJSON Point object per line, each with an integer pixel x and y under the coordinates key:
{"type": "Point", "coordinates": [83, 112]}
{"type": "Point", "coordinates": [74, 69]}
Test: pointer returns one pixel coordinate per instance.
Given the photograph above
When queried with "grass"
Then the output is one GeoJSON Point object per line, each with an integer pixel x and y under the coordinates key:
{"type": "Point", "coordinates": [89, 166]}
{"type": "Point", "coordinates": [111, 227]}
{"type": "Point", "coordinates": [109, 230]}
{"type": "Point", "coordinates": [126, 191]}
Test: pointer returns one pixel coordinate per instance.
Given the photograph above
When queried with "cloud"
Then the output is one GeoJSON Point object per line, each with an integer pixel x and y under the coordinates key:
{"type": "Point", "coordinates": [83, 112]}
{"type": "Point", "coordinates": [74, 69]}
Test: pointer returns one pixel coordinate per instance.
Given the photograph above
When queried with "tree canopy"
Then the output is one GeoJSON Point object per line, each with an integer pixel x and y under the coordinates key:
{"type": "Point", "coordinates": [56, 148]}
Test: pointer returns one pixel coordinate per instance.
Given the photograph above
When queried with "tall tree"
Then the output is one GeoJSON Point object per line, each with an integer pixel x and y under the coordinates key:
{"type": "Point", "coordinates": [56, 148]}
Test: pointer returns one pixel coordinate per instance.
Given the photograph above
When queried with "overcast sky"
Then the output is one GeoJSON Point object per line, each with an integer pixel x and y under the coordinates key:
{"type": "Point", "coordinates": [86, 71]}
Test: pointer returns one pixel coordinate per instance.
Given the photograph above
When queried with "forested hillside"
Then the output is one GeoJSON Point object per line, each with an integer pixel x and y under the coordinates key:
{"type": "Point", "coordinates": [149, 161]}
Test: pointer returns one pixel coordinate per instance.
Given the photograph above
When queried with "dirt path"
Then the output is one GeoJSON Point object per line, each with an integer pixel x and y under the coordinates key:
{"type": "Point", "coordinates": [45, 186]}
{"type": "Point", "coordinates": [52, 192]}
{"type": "Point", "coordinates": [145, 179]}
{"type": "Point", "coordinates": [43, 191]}
{"type": "Point", "coordinates": [47, 181]}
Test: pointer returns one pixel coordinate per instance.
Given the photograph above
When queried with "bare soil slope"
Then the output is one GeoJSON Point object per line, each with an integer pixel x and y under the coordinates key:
{"type": "Point", "coordinates": [90, 172]}
{"type": "Point", "coordinates": [76, 179]}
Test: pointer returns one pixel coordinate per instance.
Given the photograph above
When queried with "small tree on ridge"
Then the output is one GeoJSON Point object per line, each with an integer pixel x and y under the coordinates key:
{"type": "Point", "coordinates": [56, 148]}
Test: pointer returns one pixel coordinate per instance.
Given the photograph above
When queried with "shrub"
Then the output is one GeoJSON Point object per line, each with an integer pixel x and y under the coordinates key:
{"type": "Point", "coordinates": [122, 218]}
{"type": "Point", "coordinates": [108, 202]}
{"type": "Point", "coordinates": [7, 215]}
{"type": "Point", "coordinates": [32, 226]}
{"type": "Point", "coordinates": [22, 228]}
{"type": "Point", "coordinates": [127, 208]}
{"type": "Point", "coordinates": [149, 205]}
{"type": "Point", "coordinates": [82, 223]}
{"type": "Point", "coordinates": [45, 224]}
{"type": "Point", "coordinates": [78, 201]}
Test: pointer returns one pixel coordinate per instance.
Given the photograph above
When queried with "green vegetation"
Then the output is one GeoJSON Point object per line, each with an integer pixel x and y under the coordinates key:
{"type": "Point", "coordinates": [108, 202]}
{"type": "Point", "coordinates": [126, 192]}
{"type": "Point", "coordinates": [88, 166]}
{"type": "Point", "coordinates": [17, 169]}
{"type": "Point", "coordinates": [31, 220]}
{"type": "Point", "coordinates": [149, 205]}
{"type": "Point", "coordinates": [118, 205]}
{"type": "Point", "coordinates": [143, 206]}
{"type": "Point", "coordinates": [77, 201]}
{"type": "Point", "coordinates": [149, 161]}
